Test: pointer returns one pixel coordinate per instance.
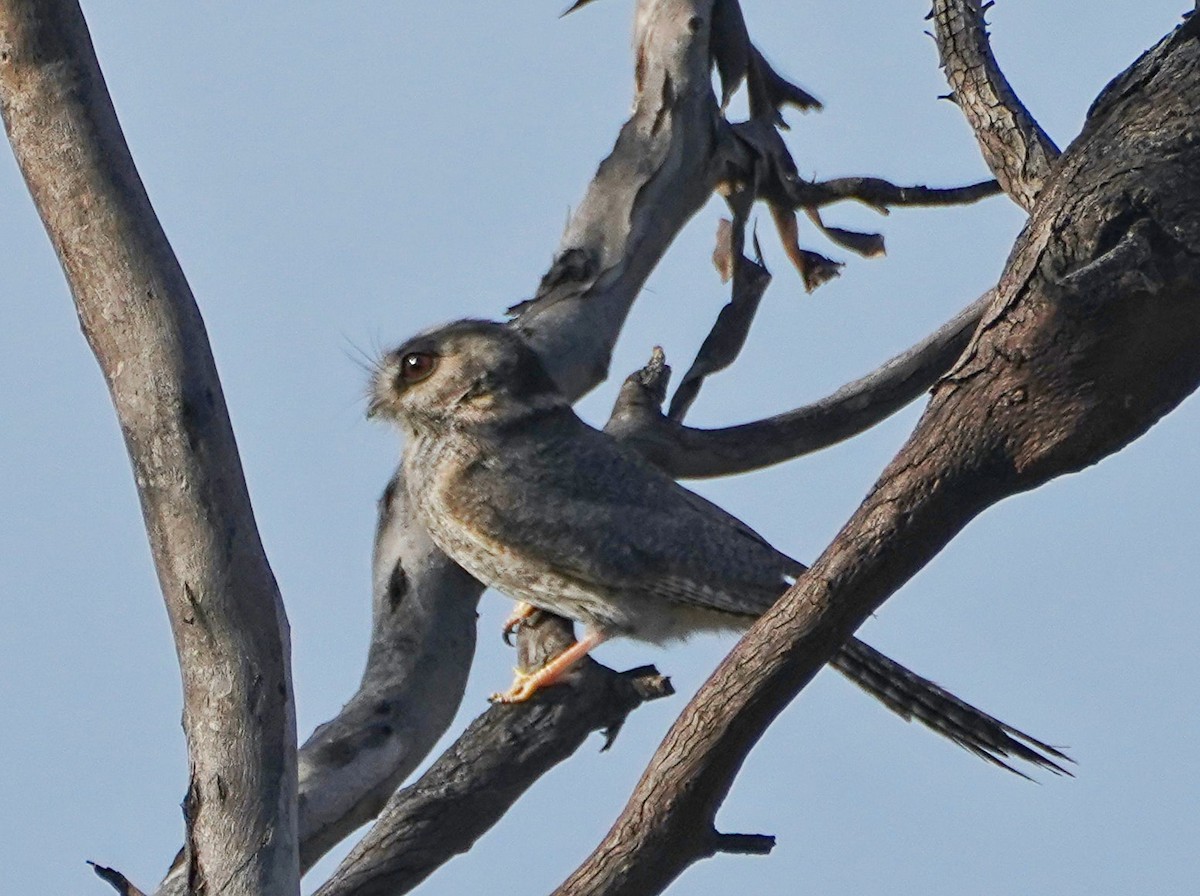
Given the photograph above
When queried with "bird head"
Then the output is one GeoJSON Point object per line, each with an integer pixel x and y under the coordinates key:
{"type": "Point", "coordinates": [470, 371]}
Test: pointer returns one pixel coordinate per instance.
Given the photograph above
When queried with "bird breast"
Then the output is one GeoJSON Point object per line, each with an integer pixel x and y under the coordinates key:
{"type": "Point", "coordinates": [434, 473]}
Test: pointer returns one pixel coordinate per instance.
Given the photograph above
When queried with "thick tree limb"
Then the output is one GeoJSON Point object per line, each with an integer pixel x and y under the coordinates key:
{"type": "Point", "coordinates": [1016, 149]}
{"type": "Point", "coordinates": [141, 321]}
{"type": "Point", "coordinates": [490, 766]}
{"type": "Point", "coordinates": [352, 764]}
{"type": "Point", "coordinates": [690, 453]}
{"type": "Point", "coordinates": [1093, 336]}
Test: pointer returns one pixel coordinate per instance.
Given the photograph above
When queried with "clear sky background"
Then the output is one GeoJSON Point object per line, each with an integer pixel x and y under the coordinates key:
{"type": "Point", "coordinates": [334, 180]}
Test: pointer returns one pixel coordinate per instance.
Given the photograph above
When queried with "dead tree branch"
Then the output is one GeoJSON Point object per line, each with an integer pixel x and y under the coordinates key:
{"type": "Point", "coordinates": [1014, 146]}
{"type": "Point", "coordinates": [470, 787]}
{"type": "Point", "coordinates": [690, 453]}
{"type": "Point", "coordinates": [1093, 336]}
{"type": "Point", "coordinates": [143, 326]}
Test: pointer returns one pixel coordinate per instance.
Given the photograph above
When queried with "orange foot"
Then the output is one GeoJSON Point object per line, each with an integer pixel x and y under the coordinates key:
{"type": "Point", "coordinates": [527, 684]}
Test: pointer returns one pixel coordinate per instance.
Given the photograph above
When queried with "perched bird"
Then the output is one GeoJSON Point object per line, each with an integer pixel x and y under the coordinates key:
{"type": "Point", "coordinates": [529, 499]}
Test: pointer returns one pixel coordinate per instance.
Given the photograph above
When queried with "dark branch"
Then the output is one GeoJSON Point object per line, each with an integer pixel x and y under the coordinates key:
{"type": "Point", "coordinates": [689, 453]}
{"type": "Point", "coordinates": [1093, 336]}
{"type": "Point", "coordinates": [1016, 149]}
{"type": "Point", "coordinates": [881, 195]}
{"type": "Point", "coordinates": [490, 766]}
{"type": "Point", "coordinates": [744, 844]}
{"type": "Point", "coordinates": [724, 342]}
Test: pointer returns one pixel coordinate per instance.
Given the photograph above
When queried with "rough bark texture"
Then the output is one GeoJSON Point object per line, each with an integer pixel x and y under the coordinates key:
{"type": "Point", "coordinates": [500, 755]}
{"type": "Point", "coordinates": [1093, 336]}
{"type": "Point", "coordinates": [231, 633]}
{"type": "Point", "coordinates": [141, 321]}
{"type": "Point", "coordinates": [1014, 146]}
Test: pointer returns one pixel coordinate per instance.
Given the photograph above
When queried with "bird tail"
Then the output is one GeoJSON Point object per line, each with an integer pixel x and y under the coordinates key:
{"type": "Point", "coordinates": [912, 697]}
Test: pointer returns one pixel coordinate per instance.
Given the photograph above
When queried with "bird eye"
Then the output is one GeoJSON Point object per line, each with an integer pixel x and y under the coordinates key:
{"type": "Point", "coordinates": [416, 366]}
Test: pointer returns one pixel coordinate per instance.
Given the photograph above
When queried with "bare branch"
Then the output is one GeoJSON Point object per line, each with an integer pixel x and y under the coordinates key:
{"type": "Point", "coordinates": [490, 766]}
{"type": "Point", "coordinates": [754, 162]}
{"type": "Point", "coordinates": [881, 195]}
{"type": "Point", "coordinates": [1093, 336]}
{"type": "Point", "coordinates": [1016, 149]}
{"type": "Point", "coordinates": [689, 453]}
{"type": "Point", "coordinates": [724, 342]}
{"type": "Point", "coordinates": [142, 323]}
{"type": "Point", "coordinates": [422, 640]}
{"type": "Point", "coordinates": [658, 175]}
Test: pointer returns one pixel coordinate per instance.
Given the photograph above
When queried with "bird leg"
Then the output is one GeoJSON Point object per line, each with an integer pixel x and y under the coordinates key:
{"type": "Point", "coordinates": [520, 612]}
{"type": "Point", "coordinates": [527, 684]}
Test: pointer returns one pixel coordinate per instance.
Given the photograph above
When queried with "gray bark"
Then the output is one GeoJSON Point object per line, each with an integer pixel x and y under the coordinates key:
{"type": "Point", "coordinates": [142, 323]}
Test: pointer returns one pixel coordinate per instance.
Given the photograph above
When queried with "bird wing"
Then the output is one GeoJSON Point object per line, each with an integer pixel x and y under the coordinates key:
{"type": "Point", "coordinates": [596, 512]}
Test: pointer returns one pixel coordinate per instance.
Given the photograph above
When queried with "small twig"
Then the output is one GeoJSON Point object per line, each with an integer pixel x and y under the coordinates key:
{"type": "Point", "coordinates": [728, 335]}
{"type": "Point", "coordinates": [744, 844]}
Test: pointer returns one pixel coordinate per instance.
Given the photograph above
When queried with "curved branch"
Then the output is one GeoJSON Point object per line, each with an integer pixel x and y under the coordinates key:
{"type": "Point", "coordinates": [659, 174]}
{"type": "Point", "coordinates": [142, 323]}
{"type": "Point", "coordinates": [1094, 335]}
{"type": "Point", "coordinates": [1016, 149]}
{"type": "Point", "coordinates": [422, 642]}
{"type": "Point", "coordinates": [690, 453]}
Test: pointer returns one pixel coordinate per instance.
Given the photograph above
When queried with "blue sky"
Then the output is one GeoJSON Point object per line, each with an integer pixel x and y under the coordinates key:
{"type": "Point", "coordinates": [333, 182]}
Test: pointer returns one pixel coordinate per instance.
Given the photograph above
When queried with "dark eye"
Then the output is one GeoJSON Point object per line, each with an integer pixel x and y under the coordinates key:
{"type": "Point", "coordinates": [416, 366]}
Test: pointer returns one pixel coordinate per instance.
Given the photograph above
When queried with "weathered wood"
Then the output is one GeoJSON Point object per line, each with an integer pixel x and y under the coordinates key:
{"type": "Point", "coordinates": [142, 323]}
{"type": "Point", "coordinates": [691, 453]}
{"type": "Point", "coordinates": [1093, 336]}
{"type": "Point", "coordinates": [1017, 151]}
{"type": "Point", "coordinates": [500, 755]}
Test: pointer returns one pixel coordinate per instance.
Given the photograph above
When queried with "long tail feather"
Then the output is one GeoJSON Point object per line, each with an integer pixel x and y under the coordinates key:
{"type": "Point", "coordinates": [913, 697]}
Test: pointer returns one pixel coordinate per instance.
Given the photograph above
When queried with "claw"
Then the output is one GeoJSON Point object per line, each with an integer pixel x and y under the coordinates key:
{"type": "Point", "coordinates": [523, 687]}
{"type": "Point", "coordinates": [516, 618]}
{"type": "Point", "coordinates": [526, 684]}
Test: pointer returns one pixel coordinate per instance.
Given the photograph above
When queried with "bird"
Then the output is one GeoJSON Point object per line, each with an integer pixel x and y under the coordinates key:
{"type": "Point", "coordinates": [514, 487]}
